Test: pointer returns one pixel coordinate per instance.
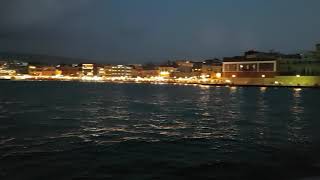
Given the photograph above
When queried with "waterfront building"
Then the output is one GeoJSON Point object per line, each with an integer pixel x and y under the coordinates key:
{"type": "Point", "coordinates": [252, 64]}
{"type": "Point", "coordinates": [197, 67]}
{"type": "Point", "coordinates": [42, 70]}
{"type": "Point", "coordinates": [136, 70]}
{"type": "Point", "coordinates": [118, 71]}
{"type": "Point", "coordinates": [147, 73]}
{"type": "Point", "coordinates": [101, 72]}
{"type": "Point", "coordinates": [88, 69]}
{"type": "Point", "coordinates": [308, 64]}
{"type": "Point", "coordinates": [149, 70]}
{"type": "Point", "coordinates": [166, 71]}
{"type": "Point", "coordinates": [184, 66]}
{"type": "Point", "coordinates": [19, 67]}
{"type": "Point", "coordinates": [210, 68]}
{"type": "Point", "coordinates": [291, 65]}
{"type": "Point", "coordinates": [69, 70]}
{"type": "Point", "coordinates": [262, 64]}
{"type": "Point", "coordinates": [7, 72]}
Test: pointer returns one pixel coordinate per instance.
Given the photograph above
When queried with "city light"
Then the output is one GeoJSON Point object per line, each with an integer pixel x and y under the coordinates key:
{"type": "Point", "coordinates": [238, 70]}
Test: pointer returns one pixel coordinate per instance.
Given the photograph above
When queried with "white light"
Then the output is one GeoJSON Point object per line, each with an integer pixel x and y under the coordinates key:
{"type": "Point", "coordinates": [234, 76]}
{"type": "Point", "coordinates": [297, 89]}
{"type": "Point", "coordinates": [276, 82]}
{"type": "Point", "coordinates": [263, 89]}
{"type": "Point", "coordinates": [297, 75]}
{"type": "Point", "coordinates": [228, 81]}
{"type": "Point", "coordinates": [263, 75]}
{"type": "Point", "coordinates": [218, 75]}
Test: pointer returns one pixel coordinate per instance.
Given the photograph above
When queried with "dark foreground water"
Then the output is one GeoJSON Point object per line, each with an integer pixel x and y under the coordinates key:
{"type": "Point", "coordinates": [69, 130]}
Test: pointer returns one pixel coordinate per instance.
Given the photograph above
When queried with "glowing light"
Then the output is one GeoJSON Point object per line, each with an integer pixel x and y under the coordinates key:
{"type": "Point", "coordinates": [263, 89]}
{"type": "Point", "coordinates": [298, 75]}
{"type": "Point", "coordinates": [218, 75]}
{"type": "Point", "coordinates": [204, 86]}
{"type": "Point", "coordinates": [233, 75]}
{"type": "Point", "coordinates": [228, 81]}
{"type": "Point", "coordinates": [276, 82]}
{"type": "Point", "coordinates": [263, 75]}
{"type": "Point", "coordinates": [233, 88]}
{"type": "Point", "coordinates": [164, 73]}
{"type": "Point", "coordinates": [297, 89]}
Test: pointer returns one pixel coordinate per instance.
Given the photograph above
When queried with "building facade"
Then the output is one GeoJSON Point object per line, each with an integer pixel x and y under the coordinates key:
{"type": "Point", "coordinates": [42, 71]}
{"type": "Point", "coordinates": [252, 66]}
{"type": "Point", "coordinates": [87, 69]}
{"type": "Point", "coordinates": [118, 71]}
{"type": "Point", "coordinates": [70, 70]}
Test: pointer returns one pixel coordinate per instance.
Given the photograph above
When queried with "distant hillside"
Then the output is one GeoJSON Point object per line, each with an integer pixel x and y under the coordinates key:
{"type": "Point", "coordinates": [40, 59]}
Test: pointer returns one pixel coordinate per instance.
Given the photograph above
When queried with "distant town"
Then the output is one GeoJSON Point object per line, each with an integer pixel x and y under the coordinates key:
{"type": "Point", "coordinates": [252, 68]}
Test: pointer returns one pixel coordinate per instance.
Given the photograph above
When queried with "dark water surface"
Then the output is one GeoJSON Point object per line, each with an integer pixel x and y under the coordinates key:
{"type": "Point", "coordinates": [70, 130]}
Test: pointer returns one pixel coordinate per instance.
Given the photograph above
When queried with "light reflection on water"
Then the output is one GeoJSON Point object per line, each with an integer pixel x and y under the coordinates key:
{"type": "Point", "coordinates": [297, 124]}
{"type": "Point", "coordinates": [219, 123]}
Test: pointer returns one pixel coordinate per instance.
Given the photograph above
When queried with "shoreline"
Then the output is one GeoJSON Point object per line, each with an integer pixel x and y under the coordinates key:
{"type": "Point", "coordinates": [172, 82]}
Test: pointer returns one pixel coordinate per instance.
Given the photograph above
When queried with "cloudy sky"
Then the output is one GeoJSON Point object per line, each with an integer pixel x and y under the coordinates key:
{"type": "Point", "coordinates": [154, 30]}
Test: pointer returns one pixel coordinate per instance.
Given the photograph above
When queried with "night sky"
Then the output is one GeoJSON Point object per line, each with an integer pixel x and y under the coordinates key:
{"type": "Point", "coordinates": [156, 30]}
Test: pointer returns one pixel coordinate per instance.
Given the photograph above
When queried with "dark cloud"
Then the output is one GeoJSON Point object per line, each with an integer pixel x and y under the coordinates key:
{"type": "Point", "coordinates": [144, 30]}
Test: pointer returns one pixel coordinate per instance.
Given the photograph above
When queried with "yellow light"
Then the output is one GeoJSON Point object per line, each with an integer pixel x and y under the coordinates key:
{"type": "Point", "coordinates": [164, 73]}
{"type": "Point", "coordinates": [218, 75]}
{"type": "Point", "coordinates": [233, 75]}
{"type": "Point", "coordinates": [276, 82]}
{"type": "Point", "coordinates": [297, 75]}
{"type": "Point", "coordinates": [228, 81]}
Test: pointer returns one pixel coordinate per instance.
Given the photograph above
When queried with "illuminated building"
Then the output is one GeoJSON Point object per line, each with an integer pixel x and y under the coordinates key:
{"type": "Point", "coordinates": [149, 73]}
{"type": "Point", "coordinates": [118, 71]}
{"type": "Point", "coordinates": [7, 72]}
{"type": "Point", "coordinates": [166, 71]}
{"type": "Point", "coordinates": [253, 64]}
{"type": "Point", "coordinates": [18, 66]}
{"type": "Point", "coordinates": [184, 66]}
{"type": "Point", "coordinates": [101, 72]}
{"type": "Point", "coordinates": [305, 64]}
{"type": "Point", "coordinates": [70, 70]}
{"type": "Point", "coordinates": [266, 65]}
{"type": "Point", "coordinates": [42, 70]}
{"type": "Point", "coordinates": [210, 68]}
{"type": "Point", "coordinates": [87, 69]}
